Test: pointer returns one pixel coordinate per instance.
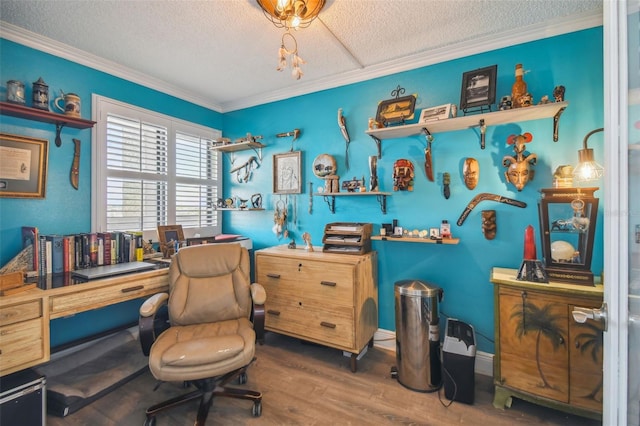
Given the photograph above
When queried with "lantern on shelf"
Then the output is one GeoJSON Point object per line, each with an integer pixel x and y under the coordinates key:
{"type": "Point", "coordinates": [567, 226]}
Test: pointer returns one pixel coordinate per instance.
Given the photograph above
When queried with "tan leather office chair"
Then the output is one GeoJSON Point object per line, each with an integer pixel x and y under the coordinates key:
{"type": "Point", "coordinates": [211, 338]}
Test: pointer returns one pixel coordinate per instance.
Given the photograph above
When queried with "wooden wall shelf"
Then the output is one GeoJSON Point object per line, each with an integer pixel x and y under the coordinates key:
{"type": "Point", "coordinates": [60, 120]}
{"type": "Point", "coordinates": [330, 198]}
{"type": "Point", "coordinates": [416, 240]}
{"type": "Point", "coordinates": [240, 146]}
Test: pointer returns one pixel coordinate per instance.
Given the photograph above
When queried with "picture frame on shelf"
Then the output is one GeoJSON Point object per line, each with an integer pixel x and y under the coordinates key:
{"type": "Point", "coordinates": [397, 110]}
{"type": "Point", "coordinates": [287, 173]}
{"type": "Point", "coordinates": [478, 88]}
{"type": "Point", "coordinates": [441, 112]}
{"type": "Point", "coordinates": [23, 166]}
{"type": "Point", "coordinates": [168, 235]}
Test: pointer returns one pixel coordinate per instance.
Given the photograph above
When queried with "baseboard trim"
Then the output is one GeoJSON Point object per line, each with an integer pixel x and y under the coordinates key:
{"type": "Point", "coordinates": [386, 339]}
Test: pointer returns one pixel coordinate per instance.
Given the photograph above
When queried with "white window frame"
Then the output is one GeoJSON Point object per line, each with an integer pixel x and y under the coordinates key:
{"type": "Point", "coordinates": [101, 106]}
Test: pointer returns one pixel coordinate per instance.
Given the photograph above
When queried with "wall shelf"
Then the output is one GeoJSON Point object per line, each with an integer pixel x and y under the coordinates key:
{"type": "Point", "coordinates": [60, 120]}
{"type": "Point", "coordinates": [240, 146]}
{"type": "Point", "coordinates": [416, 240]}
{"type": "Point", "coordinates": [330, 198]}
{"type": "Point", "coordinates": [480, 121]}
{"type": "Point", "coordinates": [236, 209]}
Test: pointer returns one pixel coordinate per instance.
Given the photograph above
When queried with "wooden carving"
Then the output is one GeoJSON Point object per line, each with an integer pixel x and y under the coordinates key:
{"type": "Point", "coordinates": [519, 170]}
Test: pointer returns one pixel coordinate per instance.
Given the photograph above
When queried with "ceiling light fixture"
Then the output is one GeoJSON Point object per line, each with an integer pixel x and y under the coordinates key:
{"type": "Point", "coordinates": [587, 168]}
{"type": "Point", "coordinates": [290, 14]}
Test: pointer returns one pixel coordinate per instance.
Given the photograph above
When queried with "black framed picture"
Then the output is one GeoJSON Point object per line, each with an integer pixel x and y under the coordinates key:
{"type": "Point", "coordinates": [397, 110]}
{"type": "Point", "coordinates": [478, 88]}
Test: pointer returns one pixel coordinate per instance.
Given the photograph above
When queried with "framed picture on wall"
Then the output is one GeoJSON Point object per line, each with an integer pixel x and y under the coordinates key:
{"type": "Point", "coordinates": [23, 166]}
{"type": "Point", "coordinates": [478, 88]}
{"type": "Point", "coordinates": [287, 177]}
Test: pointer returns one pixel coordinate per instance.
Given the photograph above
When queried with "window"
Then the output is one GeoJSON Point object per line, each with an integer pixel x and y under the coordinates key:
{"type": "Point", "coordinates": [150, 170]}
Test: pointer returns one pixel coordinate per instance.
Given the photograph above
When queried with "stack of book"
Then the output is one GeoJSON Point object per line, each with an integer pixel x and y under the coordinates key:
{"type": "Point", "coordinates": [58, 254]}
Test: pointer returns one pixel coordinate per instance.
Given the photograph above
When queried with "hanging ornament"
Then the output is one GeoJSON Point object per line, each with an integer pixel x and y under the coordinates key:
{"type": "Point", "coordinates": [296, 61]}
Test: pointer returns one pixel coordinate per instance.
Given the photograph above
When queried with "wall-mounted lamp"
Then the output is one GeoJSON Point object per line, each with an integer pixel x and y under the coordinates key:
{"type": "Point", "coordinates": [290, 14]}
{"type": "Point", "coordinates": [587, 168]}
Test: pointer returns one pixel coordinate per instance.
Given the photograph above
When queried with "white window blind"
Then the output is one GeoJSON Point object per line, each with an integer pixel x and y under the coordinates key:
{"type": "Point", "coordinates": [153, 170]}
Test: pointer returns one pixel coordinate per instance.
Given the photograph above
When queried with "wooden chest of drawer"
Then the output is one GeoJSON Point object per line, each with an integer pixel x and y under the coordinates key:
{"type": "Point", "coordinates": [326, 298]}
{"type": "Point", "coordinates": [24, 335]}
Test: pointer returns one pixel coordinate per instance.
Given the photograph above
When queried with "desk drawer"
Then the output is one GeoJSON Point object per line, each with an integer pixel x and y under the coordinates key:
{"type": "Point", "coordinates": [326, 284]}
{"type": "Point", "coordinates": [334, 328]}
{"type": "Point", "coordinates": [20, 343]}
{"type": "Point", "coordinates": [20, 312]}
{"type": "Point", "coordinates": [104, 295]}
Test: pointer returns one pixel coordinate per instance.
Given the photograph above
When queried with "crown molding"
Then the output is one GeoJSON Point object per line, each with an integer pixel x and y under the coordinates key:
{"type": "Point", "coordinates": [447, 53]}
{"type": "Point", "coordinates": [472, 47]}
{"type": "Point", "coordinates": [27, 38]}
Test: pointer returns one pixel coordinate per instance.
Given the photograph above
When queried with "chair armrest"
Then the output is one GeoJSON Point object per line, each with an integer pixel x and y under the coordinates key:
{"type": "Point", "coordinates": [259, 296]}
{"type": "Point", "coordinates": [152, 304]}
{"type": "Point", "coordinates": [153, 320]}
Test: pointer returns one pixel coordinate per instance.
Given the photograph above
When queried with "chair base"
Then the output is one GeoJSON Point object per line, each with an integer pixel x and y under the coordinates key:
{"type": "Point", "coordinates": [207, 389]}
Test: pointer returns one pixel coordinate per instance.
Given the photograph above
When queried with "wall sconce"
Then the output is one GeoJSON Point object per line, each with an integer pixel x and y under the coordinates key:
{"type": "Point", "coordinates": [290, 14]}
{"type": "Point", "coordinates": [587, 168]}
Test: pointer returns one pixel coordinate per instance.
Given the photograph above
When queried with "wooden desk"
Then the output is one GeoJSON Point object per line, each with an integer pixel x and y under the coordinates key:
{"type": "Point", "coordinates": [24, 317]}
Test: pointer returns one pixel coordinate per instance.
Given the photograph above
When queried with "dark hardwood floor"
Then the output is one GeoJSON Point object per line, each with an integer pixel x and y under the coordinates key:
{"type": "Point", "coordinates": [306, 384]}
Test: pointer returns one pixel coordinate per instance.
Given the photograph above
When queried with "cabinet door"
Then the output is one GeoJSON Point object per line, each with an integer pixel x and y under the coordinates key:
{"type": "Point", "coordinates": [585, 358]}
{"type": "Point", "coordinates": [534, 354]}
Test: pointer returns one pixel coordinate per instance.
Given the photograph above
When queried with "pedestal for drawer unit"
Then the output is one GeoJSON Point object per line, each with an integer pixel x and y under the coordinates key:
{"type": "Point", "coordinates": [22, 399]}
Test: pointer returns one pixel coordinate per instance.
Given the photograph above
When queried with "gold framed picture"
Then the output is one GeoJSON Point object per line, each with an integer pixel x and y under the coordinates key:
{"type": "Point", "coordinates": [23, 166]}
{"type": "Point", "coordinates": [170, 233]}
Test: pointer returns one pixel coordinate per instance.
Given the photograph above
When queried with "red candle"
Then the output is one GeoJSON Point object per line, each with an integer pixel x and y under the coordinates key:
{"type": "Point", "coordinates": [529, 244]}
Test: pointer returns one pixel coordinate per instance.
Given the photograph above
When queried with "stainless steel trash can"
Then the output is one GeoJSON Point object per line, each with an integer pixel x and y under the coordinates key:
{"type": "Point", "coordinates": [418, 335]}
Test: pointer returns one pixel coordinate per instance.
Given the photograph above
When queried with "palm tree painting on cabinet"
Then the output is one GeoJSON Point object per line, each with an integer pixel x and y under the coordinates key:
{"type": "Point", "coordinates": [543, 323]}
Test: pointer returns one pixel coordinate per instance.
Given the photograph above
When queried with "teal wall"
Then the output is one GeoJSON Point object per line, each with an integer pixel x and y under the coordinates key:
{"type": "Point", "coordinates": [66, 210]}
{"type": "Point", "coordinates": [461, 270]}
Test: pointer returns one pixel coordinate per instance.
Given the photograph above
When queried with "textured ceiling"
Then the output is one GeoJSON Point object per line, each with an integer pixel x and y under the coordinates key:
{"type": "Point", "coordinates": [223, 53]}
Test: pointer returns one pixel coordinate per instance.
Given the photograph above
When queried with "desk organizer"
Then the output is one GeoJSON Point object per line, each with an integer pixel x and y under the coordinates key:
{"type": "Point", "coordinates": [347, 238]}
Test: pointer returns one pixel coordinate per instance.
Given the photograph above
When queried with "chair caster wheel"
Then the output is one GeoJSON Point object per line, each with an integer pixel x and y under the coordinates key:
{"type": "Point", "coordinates": [242, 378]}
{"type": "Point", "coordinates": [150, 421]}
{"type": "Point", "coordinates": [257, 409]}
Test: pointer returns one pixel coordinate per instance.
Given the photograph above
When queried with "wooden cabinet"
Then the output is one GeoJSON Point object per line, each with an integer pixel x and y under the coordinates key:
{"type": "Point", "coordinates": [326, 298]}
{"type": "Point", "coordinates": [542, 354]}
{"type": "Point", "coordinates": [24, 332]}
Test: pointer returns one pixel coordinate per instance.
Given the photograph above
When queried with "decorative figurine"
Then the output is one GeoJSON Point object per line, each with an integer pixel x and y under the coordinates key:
{"type": "Point", "coordinates": [489, 226]}
{"type": "Point", "coordinates": [342, 123]}
{"type": "Point", "coordinates": [247, 168]}
{"type": "Point", "coordinates": [41, 96]}
{"type": "Point", "coordinates": [353, 185]}
{"type": "Point", "coordinates": [471, 172]}
{"type": "Point", "coordinates": [519, 88]}
{"type": "Point", "coordinates": [403, 175]}
{"type": "Point", "coordinates": [256, 201]}
{"type": "Point", "coordinates": [373, 171]}
{"type": "Point", "coordinates": [307, 241]}
{"type": "Point", "coordinates": [505, 103]}
{"type": "Point", "coordinates": [531, 268]}
{"type": "Point", "coordinates": [519, 171]}
{"type": "Point", "coordinates": [558, 93]}
{"type": "Point", "coordinates": [446, 181]}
